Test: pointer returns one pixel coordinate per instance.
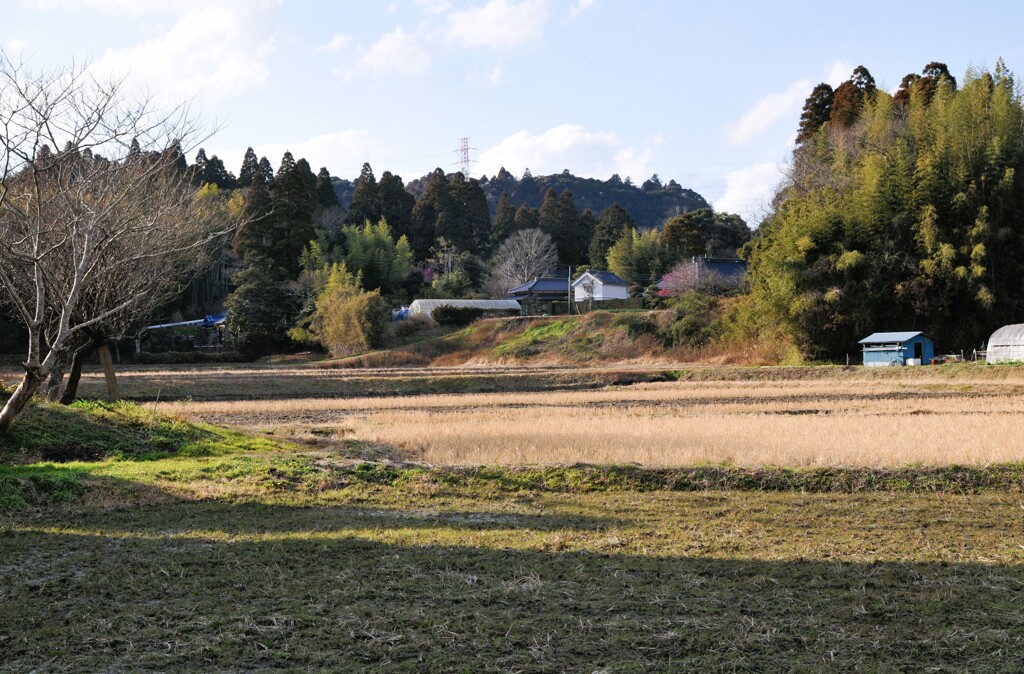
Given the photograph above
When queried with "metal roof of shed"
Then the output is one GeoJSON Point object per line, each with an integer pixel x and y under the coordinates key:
{"type": "Point", "coordinates": [890, 337]}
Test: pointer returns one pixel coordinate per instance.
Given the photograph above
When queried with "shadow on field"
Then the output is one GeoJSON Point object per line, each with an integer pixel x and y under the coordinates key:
{"type": "Point", "coordinates": [199, 518]}
{"type": "Point", "coordinates": [140, 592]}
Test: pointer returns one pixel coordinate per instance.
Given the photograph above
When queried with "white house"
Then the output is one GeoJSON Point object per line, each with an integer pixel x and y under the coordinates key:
{"type": "Point", "coordinates": [599, 285]}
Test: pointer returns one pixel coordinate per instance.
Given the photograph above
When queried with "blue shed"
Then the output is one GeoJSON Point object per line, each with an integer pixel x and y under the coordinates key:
{"type": "Point", "coordinates": [897, 348]}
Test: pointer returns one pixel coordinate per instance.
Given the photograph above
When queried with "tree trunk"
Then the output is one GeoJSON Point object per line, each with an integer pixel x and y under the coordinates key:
{"type": "Point", "coordinates": [75, 376]}
{"type": "Point", "coordinates": [113, 393]}
{"type": "Point", "coordinates": [28, 386]}
{"type": "Point", "coordinates": [54, 386]}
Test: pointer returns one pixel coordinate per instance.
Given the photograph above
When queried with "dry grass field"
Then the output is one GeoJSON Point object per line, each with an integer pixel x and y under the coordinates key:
{"type": "Point", "coordinates": [803, 422]}
{"type": "Point", "coordinates": [131, 540]}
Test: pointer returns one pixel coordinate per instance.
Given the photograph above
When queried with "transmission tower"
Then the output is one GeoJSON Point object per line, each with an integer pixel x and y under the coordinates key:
{"type": "Point", "coordinates": [464, 156]}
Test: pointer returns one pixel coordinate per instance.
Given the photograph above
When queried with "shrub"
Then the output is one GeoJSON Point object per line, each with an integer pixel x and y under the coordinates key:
{"type": "Point", "coordinates": [695, 321]}
{"type": "Point", "coordinates": [411, 327]}
{"type": "Point", "coordinates": [347, 319]}
{"type": "Point", "coordinates": [448, 315]}
{"type": "Point", "coordinates": [635, 325]}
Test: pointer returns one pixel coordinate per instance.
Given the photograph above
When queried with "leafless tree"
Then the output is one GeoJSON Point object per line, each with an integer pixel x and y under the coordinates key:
{"type": "Point", "coordinates": [693, 275]}
{"type": "Point", "coordinates": [97, 224]}
{"type": "Point", "coordinates": [526, 254]}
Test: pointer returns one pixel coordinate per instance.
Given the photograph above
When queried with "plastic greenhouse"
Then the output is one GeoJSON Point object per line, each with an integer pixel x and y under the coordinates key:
{"type": "Point", "coordinates": [1006, 344]}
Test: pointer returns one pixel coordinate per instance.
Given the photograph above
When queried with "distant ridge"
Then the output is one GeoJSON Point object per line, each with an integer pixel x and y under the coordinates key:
{"type": "Point", "coordinates": [650, 204]}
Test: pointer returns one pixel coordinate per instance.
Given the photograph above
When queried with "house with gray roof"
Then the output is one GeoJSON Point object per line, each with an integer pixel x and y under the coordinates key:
{"type": "Point", "coordinates": [599, 285]}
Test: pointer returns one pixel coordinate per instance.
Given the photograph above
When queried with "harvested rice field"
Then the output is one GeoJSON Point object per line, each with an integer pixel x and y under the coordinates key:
{"type": "Point", "coordinates": [802, 422]}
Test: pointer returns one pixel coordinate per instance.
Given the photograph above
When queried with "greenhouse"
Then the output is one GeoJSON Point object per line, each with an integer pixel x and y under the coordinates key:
{"type": "Point", "coordinates": [1006, 344]}
{"type": "Point", "coordinates": [489, 307]}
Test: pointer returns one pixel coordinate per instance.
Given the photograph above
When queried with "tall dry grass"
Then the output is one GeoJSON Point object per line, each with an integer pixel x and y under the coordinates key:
{"type": "Point", "coordinates": [791, 423]}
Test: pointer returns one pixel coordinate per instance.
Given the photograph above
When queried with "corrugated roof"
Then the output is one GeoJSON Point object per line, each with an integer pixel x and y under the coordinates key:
{"type": "Point", "coordinates": [889, 337]}
{"type": "Point", "coordinates": [427, 306]}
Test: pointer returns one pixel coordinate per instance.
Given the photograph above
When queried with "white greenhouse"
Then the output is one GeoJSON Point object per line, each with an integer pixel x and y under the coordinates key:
{"type": "Point", "coordinates": [489, 307]}
{"type": "Point", "coordinates": [1006, 344]}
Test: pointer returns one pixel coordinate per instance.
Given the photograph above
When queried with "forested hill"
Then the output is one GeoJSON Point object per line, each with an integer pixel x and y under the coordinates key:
{"type": "Point", "coordinates": [649, 204]}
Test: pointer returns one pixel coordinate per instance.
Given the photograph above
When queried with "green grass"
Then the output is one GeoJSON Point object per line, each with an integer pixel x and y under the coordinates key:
{"type": "Point", "coordinates": [533, 340]}
{"type": "Point", "coordinates": [258, 555]}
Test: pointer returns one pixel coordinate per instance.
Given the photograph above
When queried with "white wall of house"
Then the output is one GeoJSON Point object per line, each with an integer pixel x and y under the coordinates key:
{"type": "Point", "coordinates": [588, 287]}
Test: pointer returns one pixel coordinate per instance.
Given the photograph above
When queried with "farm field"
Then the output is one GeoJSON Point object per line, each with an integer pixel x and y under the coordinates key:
{"type": "Point", "coordinates": [456, 531]}
{"type": "Point", "coordinates": [841, 421]}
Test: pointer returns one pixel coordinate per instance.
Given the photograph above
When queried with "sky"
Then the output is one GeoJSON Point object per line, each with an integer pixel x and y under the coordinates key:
{"type": "Point", "coordinates": [708, 94]}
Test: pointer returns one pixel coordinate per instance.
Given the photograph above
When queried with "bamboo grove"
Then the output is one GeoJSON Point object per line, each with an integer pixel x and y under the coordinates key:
{"type": "Point", "coordinates": [906, 212]}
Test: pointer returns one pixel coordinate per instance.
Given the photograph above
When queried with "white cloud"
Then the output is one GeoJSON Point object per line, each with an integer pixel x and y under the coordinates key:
{"type": "Point", "coordinates": [483, 76]}
{"type": "Point", "coordinates": [769, 110]}
{"type": "Point", "coordinates": [338, 43]}
{"type": "Point", "coordinates": [499, 23]}
{"type": "Point", "coordinates": [339, 151]}
{"type": "Point", "coordinates": [397, 52]}
{"type": "Point", "coordinates": [571, 146]}
{"type": "Point", "coordinates": [134, 7]}
{"type": "Point", "coordinates": [838, 73]}
{"type": "Point", "coordinates": [434, 6]}
{"type": "Point", "coordinates": [749, 191]}
{"type": "Point", "coordinates": [580, 7]}
{"type": "Point", "coordinates": [213, 50]}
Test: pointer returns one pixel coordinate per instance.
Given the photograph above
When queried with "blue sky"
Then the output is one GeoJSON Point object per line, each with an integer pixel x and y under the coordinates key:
{"type": "Point", "coordinates": [708, 94]}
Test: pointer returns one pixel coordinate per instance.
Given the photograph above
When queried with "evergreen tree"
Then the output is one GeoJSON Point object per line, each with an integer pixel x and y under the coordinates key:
{"type": "Point", "coordinates": [215, 173]}
{"type": "Point", "coordinates": [199, 168]}
{"type": "Point", "coordinates": [366, 203]}
{"type": "Point", "coordinates": [260, 310]}
{"type": "Point", "coordinates": [267, 170]}
{"type": "Point", "coordinates": [682, 236]}
{"type": "Point", "coordinates": [527, 218]}
{"type": "Point", "coordinates": [586, 228]}
{"type": "Point", "coordinates": [426, 213]}
{"type": "Point", "coordinates": [250, 167]}
{"type": "Point", "coordinates": [576, 243]}
{"type": "Point", "coordinates": [550, 216]}
{"type": "Point", "coordinates": [396, 204]}
{"type": "Point", "coordinates": [256, 235]}
{"type": "Point", "coordinates": [850, 96]}
{"type": "Point", "coordinates": [454, 222]}
{"type": "Point", "coordinates": [308, 179]}
{"type": "Point", "coordinates": [504, 222]}
{"type": "Point", "coordinates": [609, 227]}
{"type": "Point", "coordinates": [817, 109]}
{"type": "Point", "coordinates": [326, 197]}
{"type": "Point", "coordinates": [293, 215]}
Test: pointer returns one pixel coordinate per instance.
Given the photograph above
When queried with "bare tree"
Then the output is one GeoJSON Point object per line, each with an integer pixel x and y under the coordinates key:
{"type": "Point", "coordinates": [97, 233]}
{"type": "Point", "coordinates": [526, 254]}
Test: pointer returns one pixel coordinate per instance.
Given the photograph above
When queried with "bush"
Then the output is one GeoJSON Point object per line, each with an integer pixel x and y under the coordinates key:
{"type": "Point", "coordinates": [448, 315]}
{"type": "Point", "coordinates": [635, 325]}
{"type": "Point", "coordinates": [695, 321]}
{"type": "Point", "coordinates": [351, 322]}
{"type": "Point", "coordinates": [405, 330]}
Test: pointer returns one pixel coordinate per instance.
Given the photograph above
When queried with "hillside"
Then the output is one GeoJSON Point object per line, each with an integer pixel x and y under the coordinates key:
{"type": "Point", "coordinates": [650, 204]}
{"type": "Point", "coordinates": [593, 338]}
